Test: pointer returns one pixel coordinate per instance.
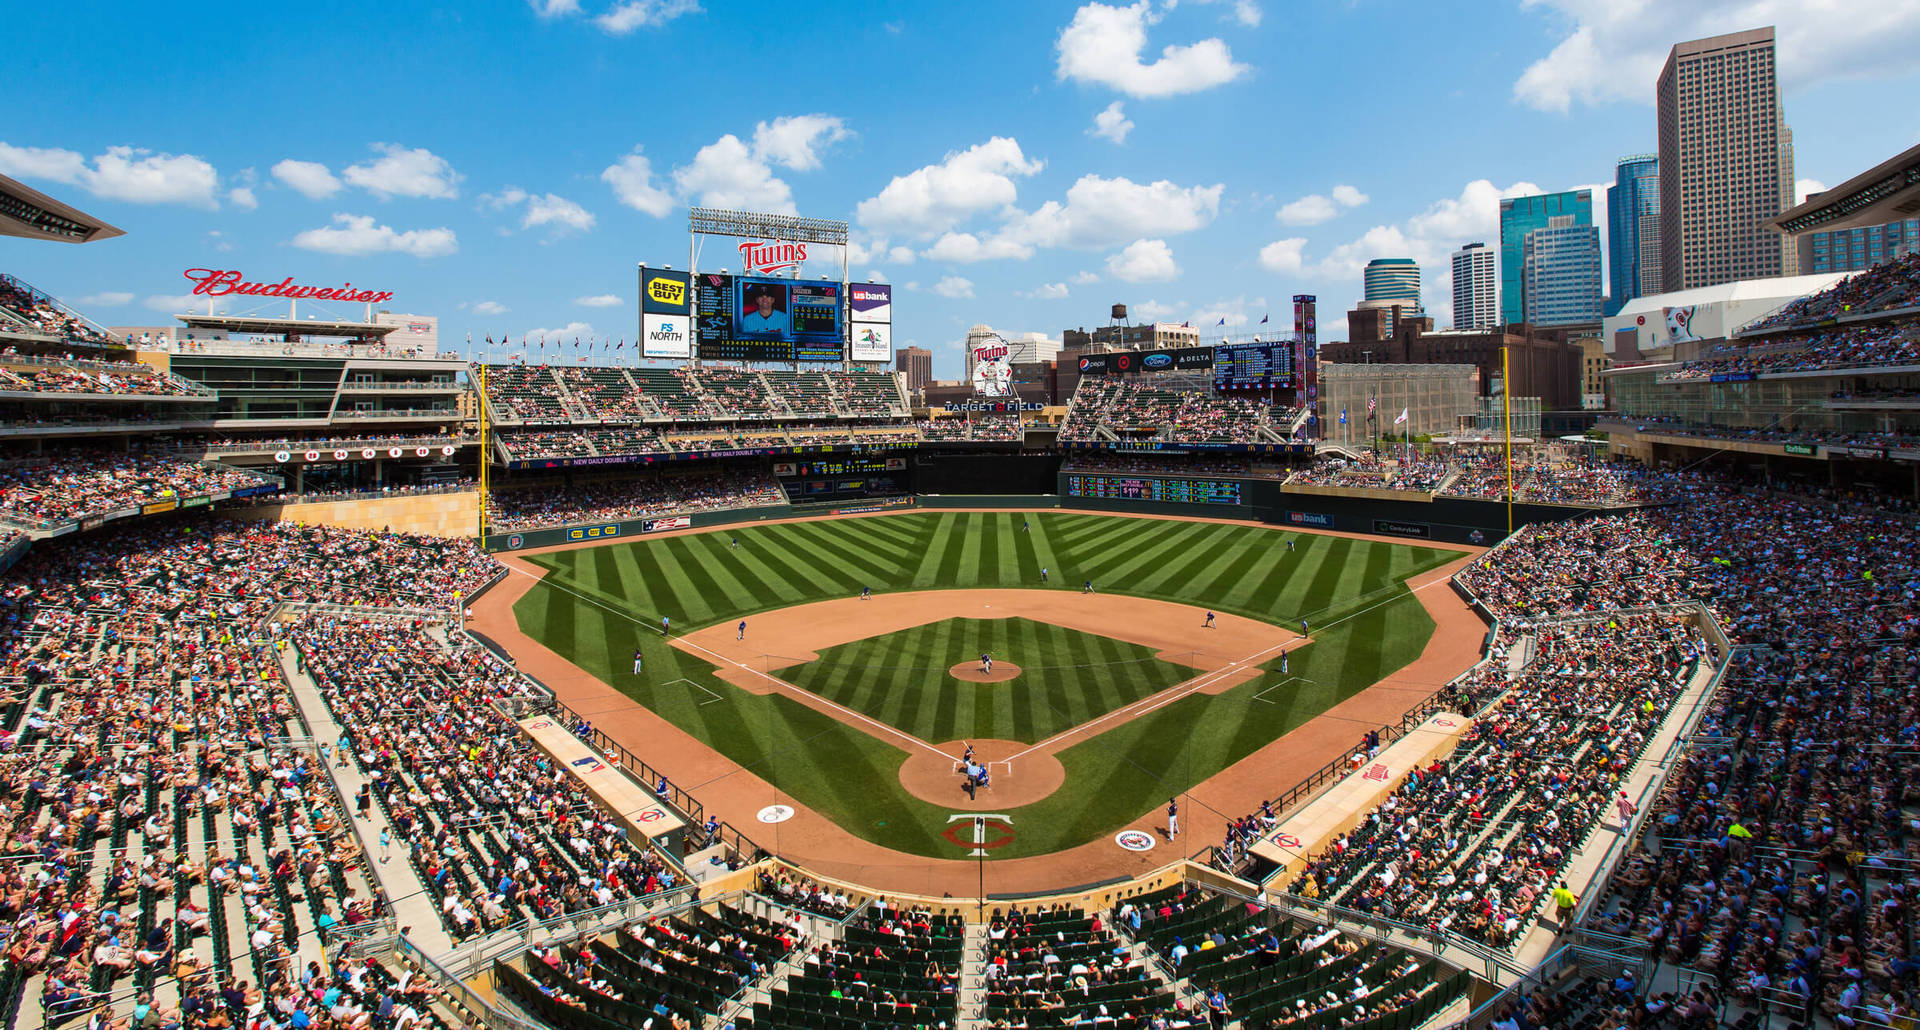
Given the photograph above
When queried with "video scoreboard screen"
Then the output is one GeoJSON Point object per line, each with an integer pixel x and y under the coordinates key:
{"type": "Point", "coordinates": [745, 318]}
{"type": "Point", "coordinates": [1141, 488]}
{"type": "Point", "coordinates": [839, 467]}
{"type": "Point", "coordinates": [1253, 366]}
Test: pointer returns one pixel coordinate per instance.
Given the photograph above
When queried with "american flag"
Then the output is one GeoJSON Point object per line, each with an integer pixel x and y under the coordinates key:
{"type": "Point", "coordinates": [1372, 403]}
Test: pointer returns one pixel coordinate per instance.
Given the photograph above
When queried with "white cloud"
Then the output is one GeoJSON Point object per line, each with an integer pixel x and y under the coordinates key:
{"type": "Point", "coordinates": [953, 286]}
{"type": "Point", "coordinates": [1283, 256]}
{"type": "Point", "coordinates": [556, 211]}
{"type": "Point", "coordinates": [1083, 278]}
{"type": "Point", "coordinates": [632, 180]}
{"type": "Point", "coordinates": [1311, 209]}
{"type": "Point", "coordinates": [242, 198]}
{"type": "Point", "coordinates": [122, 173]}
{"type": "Point", "coordinates": [1151, 311]}
{"type": "Point", "coordinates": [863, 249]}
{"type": "Point", "coordinates": [1802, 188]}
{"type": "Point", "coordinates": [357, 235]}
{"type": "Point", "coordinates": [604, 300]}
{"type": "Point", "coordinates": [400, 172]}
{"type": "Point", "coordinates": [1111, 123]}
{"type": "Point", "coordinates": [108, 299]}
{"type": "Point", "coordinates": [173, 305]}
{"type": "Point", "coordinates": [1102, 46]}
{"type": "Point", "coordinates": [1247, 13]}
{"type": "Point", "coordinates": [727, 174]}
{"type": "Point", "coordinates": [1144, 261]}
{"type": "Point", "coordinates": [934, 198]}
{"type": "Point", "coordinates": [1239, 314]}
{"type": "Point", "coordinates": [1612, 50]}
{"type": "Point", "coordinates": [310, 179]}
{"type": "Point", "coordinates": [1047, 291]}
{"type": "Point", "coordinates": [565, 334]}
{"type": "Point", "coordinates": [796, 141]}
{"type": "Point", "coordinates": [554, 8]}
{"type": "Point", "coordinates": [624, 17]}
{"type": "Point", "coordinates": [1105, 212]}
{"type": "Point", "coordinates": [965, 247]}
{"type": "Point", "coordinates": [489, 307]}
{"type": "Point", "coordinates": [1315, 208]}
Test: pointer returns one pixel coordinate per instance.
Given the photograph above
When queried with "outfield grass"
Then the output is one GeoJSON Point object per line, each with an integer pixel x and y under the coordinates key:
{"type": "Point", "coordinates": [597, 604]}
{"type": "Point", "coordinates": [1066, 678]}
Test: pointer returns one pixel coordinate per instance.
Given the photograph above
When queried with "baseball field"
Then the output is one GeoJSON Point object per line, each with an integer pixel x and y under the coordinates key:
{"type": "Point", "coordinates": [1103, 704]}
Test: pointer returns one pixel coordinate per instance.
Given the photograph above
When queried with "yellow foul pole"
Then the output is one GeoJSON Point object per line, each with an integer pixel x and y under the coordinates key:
{"type": "Point", "coordinates": [481, 407]}
{"type": "Point", "coordinates": [1506, 419]}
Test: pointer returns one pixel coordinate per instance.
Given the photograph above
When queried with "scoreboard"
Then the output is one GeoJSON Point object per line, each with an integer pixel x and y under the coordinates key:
{"type": "Point", "coordinates": [1142, 488]}
{"type": "Point", "coordinates": [840, 467]}
{"type": "Point", "coordinates": [743, 318]}
{"type": "Point", "coordinates": [1253, 366]}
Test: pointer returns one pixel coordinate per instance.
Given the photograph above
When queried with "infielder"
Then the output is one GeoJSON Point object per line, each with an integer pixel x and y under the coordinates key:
{"type": "Point", "coordinates": [1173, 818]}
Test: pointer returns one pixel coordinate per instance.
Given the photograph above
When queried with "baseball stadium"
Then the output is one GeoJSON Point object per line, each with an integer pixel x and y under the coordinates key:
{"type": "Point", "coordinates": [735, 681]}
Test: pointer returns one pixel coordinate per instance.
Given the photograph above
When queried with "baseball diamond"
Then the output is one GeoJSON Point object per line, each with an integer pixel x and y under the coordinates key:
{"type": "Point", "coordinates": [1133, 702]}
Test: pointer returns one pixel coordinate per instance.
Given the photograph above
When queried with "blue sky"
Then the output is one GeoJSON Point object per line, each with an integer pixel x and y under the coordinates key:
{"type": "Point", "coordinates": [505, 165]}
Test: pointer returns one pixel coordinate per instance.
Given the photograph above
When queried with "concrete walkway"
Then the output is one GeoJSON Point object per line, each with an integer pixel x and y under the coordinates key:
{"type": "Point", "coordinates": [407, 897]}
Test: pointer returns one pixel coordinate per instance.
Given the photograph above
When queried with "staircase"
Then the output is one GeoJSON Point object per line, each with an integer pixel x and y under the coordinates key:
{"type": "Point", "coordinates": [973, 977]}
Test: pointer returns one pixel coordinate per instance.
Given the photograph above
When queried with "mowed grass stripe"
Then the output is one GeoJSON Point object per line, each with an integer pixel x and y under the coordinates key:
{"type": "Point", "coordinates": [1209, 555]}
{"type": "Point", "coordinates": [1162, 546]}
{"type": "Point", "coordinates": [850, 561]}
{"type": "Point", "coordinates": [1252, 584]}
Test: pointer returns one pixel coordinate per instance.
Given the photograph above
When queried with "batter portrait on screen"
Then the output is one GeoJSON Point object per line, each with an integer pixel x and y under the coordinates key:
{"type": "Point", "coordinates": [764, 312]}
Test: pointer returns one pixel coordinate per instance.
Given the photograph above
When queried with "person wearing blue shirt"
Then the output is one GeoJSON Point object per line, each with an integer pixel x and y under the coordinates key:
{"type": "Point", "coordinates": [764, 319]}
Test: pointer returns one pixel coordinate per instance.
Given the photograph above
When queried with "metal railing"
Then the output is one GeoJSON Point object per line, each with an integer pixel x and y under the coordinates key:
{"type": "Point", "coordinates": [1485, 962]}
{"type": "Point", "coordinates": [475, 955]}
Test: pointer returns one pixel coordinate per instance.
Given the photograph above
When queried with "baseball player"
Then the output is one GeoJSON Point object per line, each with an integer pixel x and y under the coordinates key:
{"type": "Point", "coordinates": [866, 593]}
{"type": "Point", "coordinates": [1087, 587]}
{"type": "Point", "coordinates": [1283, 663]}
{"type": "Point", "coordinates": [638, 660]}
{"type": "Point", "coordinates": [1043, 573]}
{"type": "Point", "coordinates": [1209, 624]}
{"type": "Point", "coordinates": [1173, 818]}
{"type": "Point", "coordinates": [743, 630]}
{"type": "Point", "coordinates": [986, 662]}
{"type": "Point", "coordinates": [666, 626]}
{"type": "Point", "coordinates": [1289, 543]}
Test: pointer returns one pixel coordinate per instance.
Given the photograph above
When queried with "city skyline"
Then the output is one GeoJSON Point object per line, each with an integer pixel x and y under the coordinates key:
{"type": "Point", "coordinates": [1109, 159]}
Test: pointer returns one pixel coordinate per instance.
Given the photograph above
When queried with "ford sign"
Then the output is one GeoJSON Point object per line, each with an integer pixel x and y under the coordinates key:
{"type": "Point", "coordinates": [1160, 360]}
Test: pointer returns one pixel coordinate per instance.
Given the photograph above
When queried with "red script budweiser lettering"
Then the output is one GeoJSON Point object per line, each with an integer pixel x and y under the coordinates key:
{"type": "Point", "coordinates": [214, 282]}
{"type": "Point", "coordinates": [768, 257]}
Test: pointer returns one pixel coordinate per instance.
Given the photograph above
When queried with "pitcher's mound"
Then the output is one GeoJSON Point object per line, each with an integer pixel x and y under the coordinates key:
{"type": "Point", "coordinates": [969, 672]}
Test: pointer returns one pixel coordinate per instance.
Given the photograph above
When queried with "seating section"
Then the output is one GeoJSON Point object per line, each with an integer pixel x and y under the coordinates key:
{"type": "Point", "coordinates": [173, 827]}
{"type": "Point", "coordinates": [529, 393]}
{"type": "Point", "coordinates": [687, 966]}
{"type": "Point", "coordinates": [494, 833]}
{"type": "Point", "coordinates": [668, 388]}
{"type": "Point", "coordinates": [1273, 970]}
{"type": "Point", "coordinates": [109, 378]}
{"type": "Point", "coordinates": [1848, 345]}
{"type": "Point", "coordinates": [37, 312]}
{"type": "Point", "coordinates": [1062, 967]}
{"type": "Point", "coordinates": [891, 967]}
{"type": "Point", "coordinates": [1124, 406]}
{"type": "Point", "coordinates": [54, 489]}
{"type": "Point", "coordinates": [667, 492]}
{"type": "Point", "coordinates": [1890, 285]}
{"type": "Point", "coordinates": [606, 394]}
{"type": "Point", "coordinates": [518, 392]}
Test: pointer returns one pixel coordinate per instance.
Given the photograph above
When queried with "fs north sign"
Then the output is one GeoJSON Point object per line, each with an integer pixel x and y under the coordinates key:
{"type": "Point", "coordinates": [772, 256]}
{"type": "Point", "coordinates": [220, 282]}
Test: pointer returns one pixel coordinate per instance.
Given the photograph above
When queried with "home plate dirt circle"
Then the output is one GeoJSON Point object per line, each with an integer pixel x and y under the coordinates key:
{"type": "Point", "coordinates": [935, 775]}
{"type": "Point", "coordinates": [969, 672]}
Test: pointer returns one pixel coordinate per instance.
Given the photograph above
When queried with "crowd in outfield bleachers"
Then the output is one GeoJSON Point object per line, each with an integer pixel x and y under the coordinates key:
{"type": "Point", "coordinates": [1887, 286]}
{"type": "Point", "coordinates": [607, 393]}
{"type": "Point", "coordinates": [39, 314]}
{"type": "Point", "coordinates": [69, 375]}
{"type": "Point", "coordinates": [655, 495]}
{"type": "Point", "coordinates": [1126, 406]}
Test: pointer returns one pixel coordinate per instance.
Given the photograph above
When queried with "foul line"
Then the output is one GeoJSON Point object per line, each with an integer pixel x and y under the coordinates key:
{"type": "Point", "coordinates": [1206, 679]}
{"type": "Point", "coordinates": [721, 660]}
{"type": "Point", "coordinates": [1262, 695]}
{"type": "Point", "coordinates": [711, 696]}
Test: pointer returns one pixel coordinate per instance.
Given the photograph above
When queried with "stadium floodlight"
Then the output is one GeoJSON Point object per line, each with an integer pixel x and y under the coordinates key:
{"type": "Point", "coordinates": [717, 222]}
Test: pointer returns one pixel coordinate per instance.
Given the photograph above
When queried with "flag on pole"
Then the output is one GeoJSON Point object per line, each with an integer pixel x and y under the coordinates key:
{"type": "Point", "coordinates": [1372, 403]}
{"type": "Point", "coordinates": [1263, 320]}
{"type": "Point", "coordinates": [1343, 416]}
{"type": "Point", "coordinates": [1402, 419]}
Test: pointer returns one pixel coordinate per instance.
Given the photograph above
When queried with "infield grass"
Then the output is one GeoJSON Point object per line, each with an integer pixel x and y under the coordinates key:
{"type": "Point", "coordinates": [1066, 678]}
{"type": "Point", "coordinates": [597, 604]}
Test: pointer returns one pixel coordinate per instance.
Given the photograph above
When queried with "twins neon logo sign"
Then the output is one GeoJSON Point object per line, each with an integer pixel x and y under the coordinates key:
{"type": "Point", "coordinates": [772, 256]}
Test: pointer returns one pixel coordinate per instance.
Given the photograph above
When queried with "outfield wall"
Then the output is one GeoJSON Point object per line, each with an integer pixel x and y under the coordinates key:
{"type": "Point", "coordinates": [454, 514]}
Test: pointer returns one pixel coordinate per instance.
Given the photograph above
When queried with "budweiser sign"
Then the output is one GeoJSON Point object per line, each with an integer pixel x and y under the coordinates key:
{"type": "Point", "coordinates": [771, 257]}
{"type": "Point", "coordinates": [215, 282]}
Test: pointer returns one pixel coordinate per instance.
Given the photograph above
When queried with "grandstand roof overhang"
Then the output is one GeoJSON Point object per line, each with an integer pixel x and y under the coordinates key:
{"type": "Point", "coordinates": [1887, 192]}
{"type": "Point", "coordinates": [301, 327]}
{"type": "Point", "coordinates": [30, 214]}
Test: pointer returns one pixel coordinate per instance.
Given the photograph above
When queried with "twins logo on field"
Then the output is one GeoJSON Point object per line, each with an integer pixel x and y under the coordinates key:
{"type": "Point", "coordinates": [1134, 840]}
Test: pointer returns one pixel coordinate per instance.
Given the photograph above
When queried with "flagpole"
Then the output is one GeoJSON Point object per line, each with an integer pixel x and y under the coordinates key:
{"type": "Point", "coordinates": [1506, 404]}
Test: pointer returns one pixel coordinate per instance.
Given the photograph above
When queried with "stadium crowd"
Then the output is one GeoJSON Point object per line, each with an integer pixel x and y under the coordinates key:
{"type": "Point", "coordinates": [1886, 286]}
{"type": "Point", "coordinates": [63, 487]}
{"type": "Point", "coordinates": [525, 508]}
{"type": "Point", "coordinates": [39, 313]}
{"type": "Point", "coordinates": [1122, 405]}
{"type": "Point", "coordinates": [1862, 345]}
{"type": "Point", "coordinates": [69, 375]}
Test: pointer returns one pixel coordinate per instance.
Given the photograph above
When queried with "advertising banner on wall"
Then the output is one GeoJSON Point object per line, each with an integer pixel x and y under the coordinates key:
{"type": "Point", "coordinates": [666, 336]}
{"type": "Point", "coordinates": [1190, 359]}
{"type": "Point", "coordinates": [872, 341]}
{"type": "Point", "coordinates": [992, 369]}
